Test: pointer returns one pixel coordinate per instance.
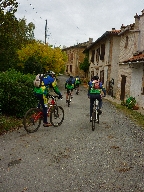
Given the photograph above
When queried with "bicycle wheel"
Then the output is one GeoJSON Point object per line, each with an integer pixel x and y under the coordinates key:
{"type": "Point", "coordinates": [32, 120]}
{"type": "Point", "coordinates": [56, 116]}
{"type": "Point", "coordinates": [97, 118]}
{"type": "Point", "coordinates": [93, 120]}
{"type": "Point", "coordinates": [69, 99]}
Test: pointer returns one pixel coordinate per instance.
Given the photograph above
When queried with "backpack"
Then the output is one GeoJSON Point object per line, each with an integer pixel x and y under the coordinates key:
{"type": "Point", "coordinates": [37, 81]}
{"type": "Point", "coordinates": [77, 80]}
{"type": "Point", "coordinates": [96, 84]}
{"type": "Point", "coordinates": [41, 78]}
{"type": "Point", "coordinates": [70, 82]}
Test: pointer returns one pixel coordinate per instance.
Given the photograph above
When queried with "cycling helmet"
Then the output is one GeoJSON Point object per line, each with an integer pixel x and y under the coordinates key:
{"type": "Point", "coordinates": [50, 73]}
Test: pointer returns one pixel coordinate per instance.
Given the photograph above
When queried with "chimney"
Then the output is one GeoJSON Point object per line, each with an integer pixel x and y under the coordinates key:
{"type": "Point", "coordinates": [90, 40]}
{"type": "Point", "coordinates": [142, 12]}
{"type": "Point", "coordinates": [137, 17]}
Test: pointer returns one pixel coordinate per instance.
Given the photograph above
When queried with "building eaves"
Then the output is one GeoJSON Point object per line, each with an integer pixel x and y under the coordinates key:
{"type": "Point", "coordinates": [106, 34]}
{"type": "Point", "coordinates": [127, 28]}
{"type": "Point", "coordinates": [80, 45]}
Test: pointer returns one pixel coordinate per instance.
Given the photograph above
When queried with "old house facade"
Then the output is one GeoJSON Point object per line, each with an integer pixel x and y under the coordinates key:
{"type": "Point", "coordinates": [131, 61]}
{"type": "Point", "coordinates": [75, 57]}
{"type": "Point", "coordinates": [104, 59]}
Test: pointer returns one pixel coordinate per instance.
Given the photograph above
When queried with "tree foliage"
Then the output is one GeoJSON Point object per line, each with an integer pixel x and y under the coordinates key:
{"type": "Point", "coordinates": [38, 57]}
{"type": "Point", "coordinates": [16, 93]}
{"type": "Point", "coordinates": [9, 5]}
{"type": "Point", "coordinates": [18, 47]}
{"type": "Point", "coordinates": [85, 64]}
{"type": "Point", "coordinates": [13, 34]}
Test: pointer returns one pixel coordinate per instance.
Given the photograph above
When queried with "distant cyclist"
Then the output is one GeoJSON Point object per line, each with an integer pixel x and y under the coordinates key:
{"type": "Point", "coordinates": [94, 92]}
{"type": "Point", "coordinates": [69, 86]}
{"type": "Point", "coordinates": [77, 84]}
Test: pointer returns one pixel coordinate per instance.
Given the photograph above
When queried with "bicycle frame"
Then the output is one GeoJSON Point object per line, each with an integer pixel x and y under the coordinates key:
{"type": "Point", "coordinates": [69, 97]}
{"type": "Point", "coordinates": [50, 105]}
{"type": "Point", "coordinates": [96, 105]}
{"type": "Point", "coordinates": [32, 118]}
{"type": "Point", "coordinates": [95, 114]}
{"type": "Point", "coordinates": [37, 116]}
{"type": "Point", "coordinates": [77, 90]}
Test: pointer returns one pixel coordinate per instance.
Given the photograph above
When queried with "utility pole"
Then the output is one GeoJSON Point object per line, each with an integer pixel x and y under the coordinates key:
{"type": "Point", "coordinates": [45, 31]}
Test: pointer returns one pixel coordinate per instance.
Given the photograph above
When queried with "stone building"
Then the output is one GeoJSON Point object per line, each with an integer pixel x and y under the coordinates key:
{"type": "Point", "coordinates": [104, 59]}
{"type": "Point", "coordinates": [131, 61]}
{"type": "Point", "coordinates": [75, 57]}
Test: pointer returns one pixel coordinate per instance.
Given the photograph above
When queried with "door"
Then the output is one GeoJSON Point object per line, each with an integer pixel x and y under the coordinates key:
{"type": "Point", "coordinates": [123, 82]}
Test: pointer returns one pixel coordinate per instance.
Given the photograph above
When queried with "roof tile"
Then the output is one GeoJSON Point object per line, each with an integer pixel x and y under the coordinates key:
{"type": "Point", "coordinates": [139, 57]}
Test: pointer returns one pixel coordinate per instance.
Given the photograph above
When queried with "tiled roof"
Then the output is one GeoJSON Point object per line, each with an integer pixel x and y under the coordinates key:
{"type": "Point", "coordinates": [114, 31]}
{"type": "Point", "coordinates": [107, 33]}
{"type": "Point", "coordinates": [139, 57]}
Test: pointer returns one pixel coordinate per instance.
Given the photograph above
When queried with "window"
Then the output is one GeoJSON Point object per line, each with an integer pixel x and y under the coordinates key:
{"type": "Point", "coordinates": [71, 56]}
{"type": "Point", "coordinates": [71, 68]}
{"type": "Point", "coordinates": [143, 83]}
{"type": "Point", "coordinates": [67, 68]}
{"type": "Point", "coordinates": [92, 58]}
{"type": "Point", "coordinates": [97, 55]}
{"type": "Point", "coordinates": [102, 52]}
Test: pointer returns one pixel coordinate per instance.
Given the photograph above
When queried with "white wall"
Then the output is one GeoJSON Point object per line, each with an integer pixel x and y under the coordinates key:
{"type": "Point", "coordinates": [136, 83]}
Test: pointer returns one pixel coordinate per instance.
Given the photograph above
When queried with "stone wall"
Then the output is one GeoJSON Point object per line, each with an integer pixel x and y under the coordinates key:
{"type": "Point", "coordinates": [128, 49]}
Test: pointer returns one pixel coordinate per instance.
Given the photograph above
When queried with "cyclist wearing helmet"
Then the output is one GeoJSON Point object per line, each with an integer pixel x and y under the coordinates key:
{"type": "Point", "coordinates": [42, 84]}
{"type": "Point", "coordinates": [94, 92]}
{"type": "Point", "coordinates": [69, 85]}
{"type": "Point", "coordinates": [77, 83]}
{"type": "Point", "coordinates": [50, 73]}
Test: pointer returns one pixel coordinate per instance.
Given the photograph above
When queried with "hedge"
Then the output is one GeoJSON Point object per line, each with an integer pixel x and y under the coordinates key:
{"type": "Point", "coordinates": [16, 93]}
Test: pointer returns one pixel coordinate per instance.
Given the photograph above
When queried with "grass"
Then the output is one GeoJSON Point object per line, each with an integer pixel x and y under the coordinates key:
{"type": "Point", "coordinates": [9, 124]}
{"type": "Point", "coordinates": [134, 115]}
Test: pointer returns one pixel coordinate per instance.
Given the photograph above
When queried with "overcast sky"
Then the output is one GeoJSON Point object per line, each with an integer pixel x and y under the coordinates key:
{"type": "Point", "coordinates": [75, 21]}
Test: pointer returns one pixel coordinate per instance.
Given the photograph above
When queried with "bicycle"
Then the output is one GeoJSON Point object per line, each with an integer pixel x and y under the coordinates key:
{"type": "Point", "coordinates": [34, 116]}
{"type": "Point", "coordinates": [95, 114]}
{"type": "Point", "coordinates": [77, 91]}
{"type": "Point", "coordinates": [69, 97]}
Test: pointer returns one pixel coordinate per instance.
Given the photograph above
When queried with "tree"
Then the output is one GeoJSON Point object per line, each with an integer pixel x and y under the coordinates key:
{"type": "Point", "coordinates": [9, 6]}
{"type": "Point", "coordinates": [85, 65]}
{"type": "Point", "coordinates": [37, 58]}
{"type": "Point", "coordinates": [13, 34]}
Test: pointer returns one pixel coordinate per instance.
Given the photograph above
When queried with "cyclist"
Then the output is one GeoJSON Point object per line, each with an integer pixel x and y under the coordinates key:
{"type": "Point", "coordinates": [42, 84]}
{"type": "Point", "coordinates": [77, 84]}
{"type": "Point", "coordinates": [94, 92]}
{"type": "Point", "coordinates": [69, 86]}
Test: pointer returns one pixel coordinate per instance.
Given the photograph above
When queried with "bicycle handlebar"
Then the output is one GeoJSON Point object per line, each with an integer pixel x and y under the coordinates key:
{"type": "Point", "coordinates": [52, 96]}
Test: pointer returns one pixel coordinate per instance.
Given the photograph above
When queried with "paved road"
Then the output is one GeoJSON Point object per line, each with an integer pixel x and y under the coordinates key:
{"type": "Point", "coordinates": [72, 157]}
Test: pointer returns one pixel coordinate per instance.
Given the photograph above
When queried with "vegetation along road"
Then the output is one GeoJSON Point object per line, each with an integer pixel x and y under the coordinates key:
{"type": "Point", "coordinates": [72, 157]}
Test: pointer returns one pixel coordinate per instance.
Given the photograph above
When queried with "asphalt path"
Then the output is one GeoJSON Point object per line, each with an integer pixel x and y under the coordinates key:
{"type": "Point", "coordinates": [72, 157]}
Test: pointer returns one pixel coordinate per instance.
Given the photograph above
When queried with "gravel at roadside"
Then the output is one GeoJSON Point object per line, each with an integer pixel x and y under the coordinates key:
{"type": "Point", "coordinates": [72, 157]}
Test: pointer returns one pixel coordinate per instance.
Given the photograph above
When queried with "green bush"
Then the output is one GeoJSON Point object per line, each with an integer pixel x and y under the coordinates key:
{"type": "Point", "coordinates": [130, 102]}
{"type": "Point", "coordinates": [16, 93]}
